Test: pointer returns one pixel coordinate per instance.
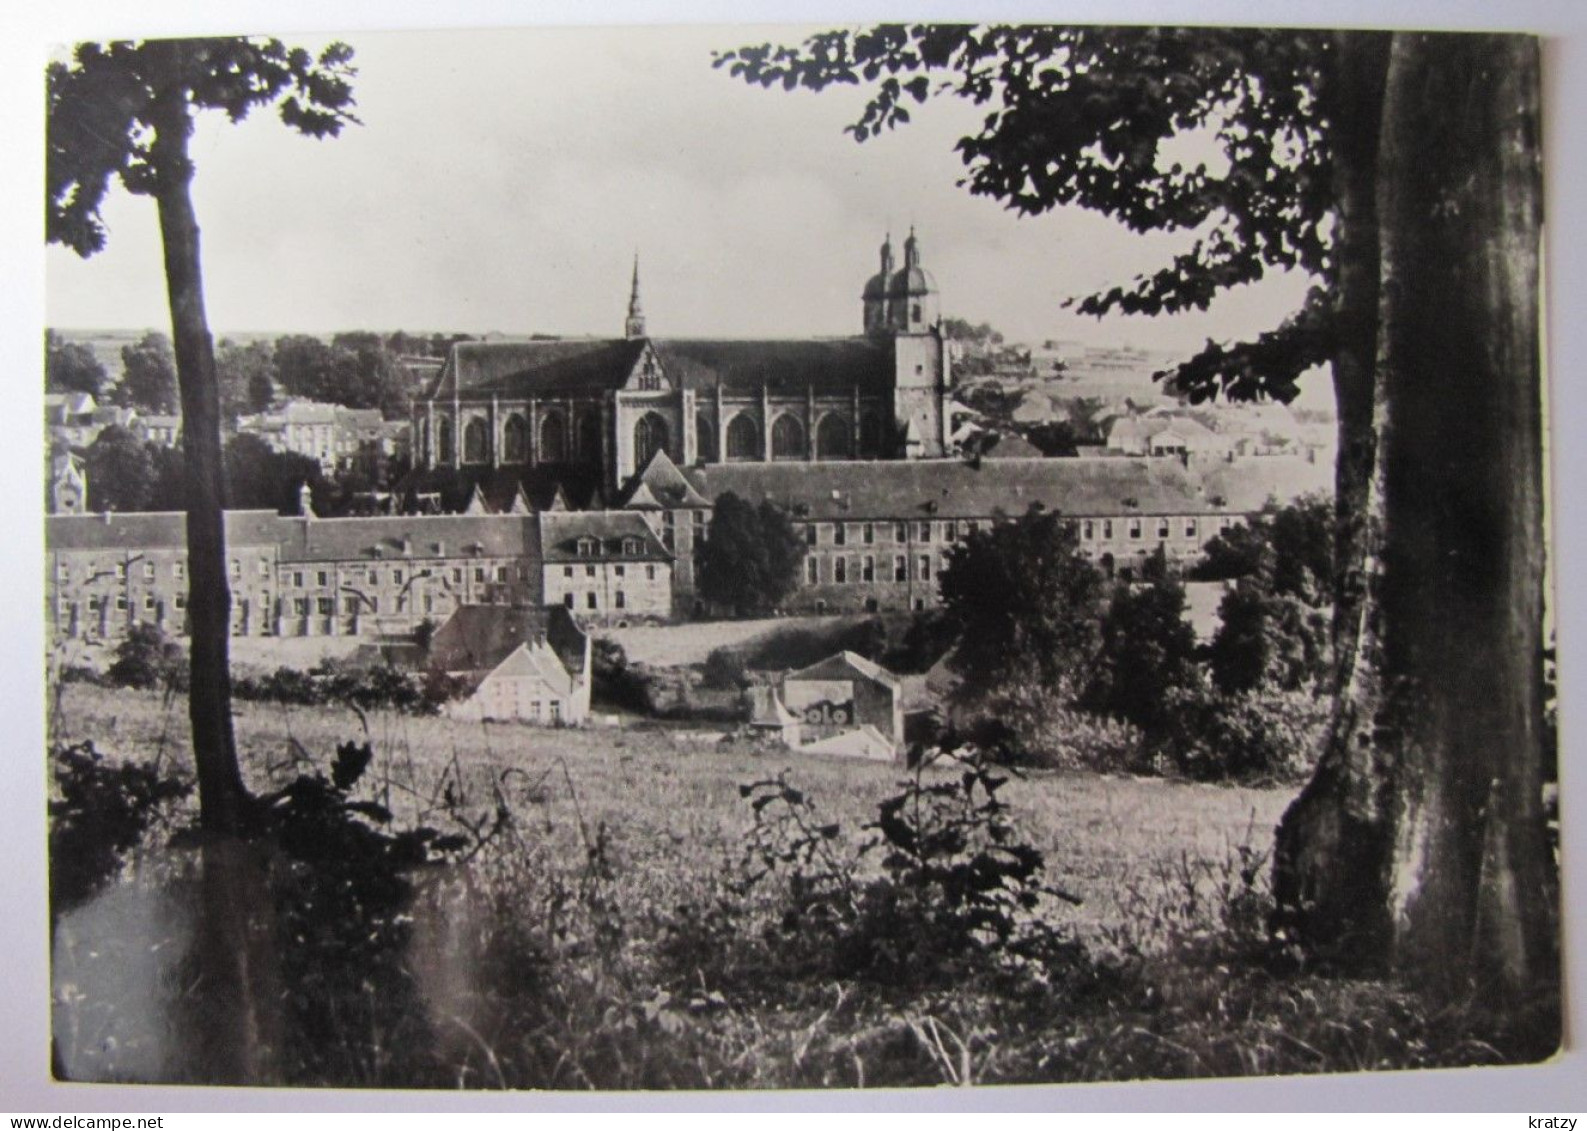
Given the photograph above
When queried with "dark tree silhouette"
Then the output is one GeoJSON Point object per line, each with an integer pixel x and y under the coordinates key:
{"type": "Point", "coordinates": [148, 378]}
{"type": "Point", "coordinates": [71, 367]}
{"type": "Point", "coordinates": [1401, 172]}
{"type": "Point", "coordinates": [125, 110]}
{"type": "Point", "coordinates": [1025, 606]}
{"type": "Point", "coordinates": [121, 473]}
{"type": "Point", "coordinates": [751, 558]}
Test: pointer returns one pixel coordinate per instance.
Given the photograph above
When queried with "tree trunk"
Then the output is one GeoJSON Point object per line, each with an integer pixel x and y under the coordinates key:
{"type": "Point", "coordinates": [221, 790]}
{"type": "Point", "coordinates": [1442, 795]}
{"type": "Point", "coordinates": [1328, 890]}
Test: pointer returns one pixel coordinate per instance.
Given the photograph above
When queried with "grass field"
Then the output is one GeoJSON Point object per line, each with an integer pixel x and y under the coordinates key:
{"type": "Point", "coordinates": [670, 799]}
{"type": "Point", "coordinates": [603, 936]}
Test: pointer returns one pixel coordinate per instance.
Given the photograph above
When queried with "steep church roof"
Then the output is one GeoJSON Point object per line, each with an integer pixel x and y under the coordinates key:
{"type": "Point", "coordinates": [660, 485]}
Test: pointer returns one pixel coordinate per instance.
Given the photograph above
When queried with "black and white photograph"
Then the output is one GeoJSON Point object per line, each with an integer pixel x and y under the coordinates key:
{"type": "Point", "coordinates": [821, 556]}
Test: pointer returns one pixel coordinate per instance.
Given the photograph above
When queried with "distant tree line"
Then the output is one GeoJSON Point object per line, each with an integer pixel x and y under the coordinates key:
{"type": "Point", "coordinates": [358, 369]}
{"type": "Point", "coordinates": [129, 474]}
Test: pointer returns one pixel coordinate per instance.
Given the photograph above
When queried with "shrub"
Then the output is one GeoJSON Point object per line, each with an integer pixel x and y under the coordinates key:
{"type": "Point", "coordinates": [1268, 734]}
{"type": "Point", "coordinates": [724, 668]}
{"type": "Point", "coordinates": [102, 811]}
{"type": "Point", "coordinates": [1029, 727]}
{"type": "Point", "coordinates": [146, 658]}
{"type": "Point", "coordinates": [960, 894]}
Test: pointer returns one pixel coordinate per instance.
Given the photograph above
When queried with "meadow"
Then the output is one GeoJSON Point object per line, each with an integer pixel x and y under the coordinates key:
{"type": "Point", "coordinates": [602, 930]}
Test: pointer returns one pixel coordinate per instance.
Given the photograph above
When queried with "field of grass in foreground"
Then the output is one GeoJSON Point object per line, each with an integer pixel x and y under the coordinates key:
{"type": "Point", "coordinates": [604, 940]}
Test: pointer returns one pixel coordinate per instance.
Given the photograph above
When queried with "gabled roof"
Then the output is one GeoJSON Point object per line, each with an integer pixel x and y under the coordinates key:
{"type": "Point", "coordinates": [477, 638]}
{"type": "Point", "coordinates": [154, 530]}
{"type": "Point", "coordinates": [660, 485]}
{"type": "Point", "coordinates": [1082, 486]}
{"type": "Point", "coordinates": [560, 534]}
{"type": "Point", "coordinates": [843, 665]}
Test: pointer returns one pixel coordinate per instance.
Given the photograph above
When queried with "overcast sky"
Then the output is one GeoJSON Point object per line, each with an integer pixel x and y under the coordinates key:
{"type": "Point", "coordinates": [502, 180]}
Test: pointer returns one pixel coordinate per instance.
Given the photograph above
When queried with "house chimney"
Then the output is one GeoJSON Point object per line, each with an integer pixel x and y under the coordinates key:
{"type": "Point", "coordinates": [305, 500]}
{"type": "Point", "coordinates": [407, 545]}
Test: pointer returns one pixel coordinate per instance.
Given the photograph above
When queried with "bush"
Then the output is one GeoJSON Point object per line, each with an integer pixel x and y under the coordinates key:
{"type": "Point", "coordinates": [1037, 729]}
{"type": "Point", "coordinates": [331, 681]}
{"type": "Point", "coordinates": [960, 895]}
{"type": "Point", "coordinates": [102, 811]}
{"type": "Point", "coordinates": [146, 659]}
{"type": "Point", "coordinates": [724, 669]}
{"type": "Point", "coordinates": [1268, 734]}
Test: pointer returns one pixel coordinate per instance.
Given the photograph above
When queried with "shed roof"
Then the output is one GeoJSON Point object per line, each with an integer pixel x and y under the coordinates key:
{"type": "Point", "coordinates": [845, 664]}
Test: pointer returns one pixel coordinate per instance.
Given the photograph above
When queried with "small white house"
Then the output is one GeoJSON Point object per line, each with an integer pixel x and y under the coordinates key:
{"type": "Point", "coordinates": [524, 664]}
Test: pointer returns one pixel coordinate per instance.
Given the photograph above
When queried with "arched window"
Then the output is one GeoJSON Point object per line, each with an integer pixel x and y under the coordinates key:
{"type": "Point", "coordinates": [443, 439]}
{"type": "Point", "coordinates": [834, 437]}
{"type": "Point", "coordinates": [590, 436]}
{"type": "Point", "coordinates": [553, 439]}
{"type": "Point", "coordinates": [787, 437]}
{"type": "Point", "coordinates": [425, 454]}
{"type": "Point", "coordinates": [743, 438]}
{"type": "Point", "coordinates": [515, 439]}
{"type": "Point", "coordinates": [705, 438]}
{"type": "Point", "coordinates": [476, 441]}
{"type": "Point", "coordinates": [650, 437]}
{"type": "Point", "coordinates": [870, 436]}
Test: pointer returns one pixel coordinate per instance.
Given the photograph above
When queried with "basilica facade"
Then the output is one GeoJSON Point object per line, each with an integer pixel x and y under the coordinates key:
{"type": "Point", "coordinates": [604, 407]}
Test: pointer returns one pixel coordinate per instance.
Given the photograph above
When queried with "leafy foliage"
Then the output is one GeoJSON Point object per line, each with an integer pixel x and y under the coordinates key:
{"type": "Point", "coordinates": [960, 894]}
{"type": "Point", "coordinates": [121, 473]}
{"type": "Point", "coordinates": [102, 112]}
{"type": "Point", "coordinates": [1267, 638]}
{"type": "Point", "coordinates": [257, 476]}
{"type": "Point", "coordinates": [1148, 649]}
{"type": "Point", "coordinates": [147, 659]}
{"type": "Point", "coordinates": [71, 367]}
{"type": "Point", "coordinates": [751, 558]}
{"type": "Point", "coordinates": [149, 374]}
{"type": "Point", "coordinates": [1024, 604]}
{"type": "Point", "coordinates": [1290, 546]}
{"type": "Point", "coordinates": [1266, 734]}
{"type": "Point", "coordinates": [1095, 117]}
{"type": "Point", "coordinates": [103, 810]}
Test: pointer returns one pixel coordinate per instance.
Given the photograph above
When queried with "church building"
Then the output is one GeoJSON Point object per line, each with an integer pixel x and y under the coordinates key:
{"type": "Point", "coordinates": [600, 409]}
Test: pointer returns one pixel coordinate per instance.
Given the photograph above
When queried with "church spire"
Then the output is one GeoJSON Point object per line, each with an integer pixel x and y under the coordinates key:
{"type": "Point", "coordinates": [634, 327]}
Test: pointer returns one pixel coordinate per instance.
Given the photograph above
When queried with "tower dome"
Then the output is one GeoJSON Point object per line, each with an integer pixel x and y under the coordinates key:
{"type": "Point", "coordinates": [912, 293]}
{"type": "Point", "coordinates": [876, 289]}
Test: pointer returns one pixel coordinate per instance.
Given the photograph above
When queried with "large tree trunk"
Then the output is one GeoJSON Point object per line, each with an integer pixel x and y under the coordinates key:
{"type": "Point", "coordinates": [1326, 883]}
{"type": "Point", "coordinates": [1430, 811]}
{"type": "Point", "coordinates": [221, 791]}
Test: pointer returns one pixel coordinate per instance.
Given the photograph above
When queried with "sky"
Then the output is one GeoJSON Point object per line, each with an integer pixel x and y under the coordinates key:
{"type": "Point", "coordinates": [503, 180]}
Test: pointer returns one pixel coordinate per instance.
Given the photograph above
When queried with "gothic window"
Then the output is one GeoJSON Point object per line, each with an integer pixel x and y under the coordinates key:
{"type": "Point", "coordinates": [787, 438]}
{"type": "Point", "coordinates": [476, 441]}
{"type": "Point", "coordinates": [649, 375]}
{"type": "Point", "coordinates": [705, 438]}
{"type": "Point", "coordinates": [553, 439]}
{"type": "Point", "coordinates": [590, 437]}
{"type": "Point", "coordinates": [515, 439]}
{"type": "Point", "coordinates": [443, 439]}
{"type": "Point", "coordinates": [870, 435]}
{"type": "Point", "coordinates": [650, 437]}
{"type": "Point", "coordinates": [834, 437]}
{"type": "Point", "coordinates": [743, 438]}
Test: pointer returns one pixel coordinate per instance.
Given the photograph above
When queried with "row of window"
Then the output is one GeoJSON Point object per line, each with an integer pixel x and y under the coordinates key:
{"type": "Point", "coordinates": [554, 439]}
{"type": "Point", "coordinates": [617, 571]}
{"type": "Point", "coordinates": [866, 533]}
{"type": "Point", "coordinates": [862, 570]}
{"type": "Point", "coordinates": [592, 600]}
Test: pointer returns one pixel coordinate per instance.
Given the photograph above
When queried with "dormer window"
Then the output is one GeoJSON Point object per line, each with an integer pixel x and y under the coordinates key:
{"type": "Point", "coordinates": [588, 547]}
{"type": "Point", "coordinates": [632, 547]}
